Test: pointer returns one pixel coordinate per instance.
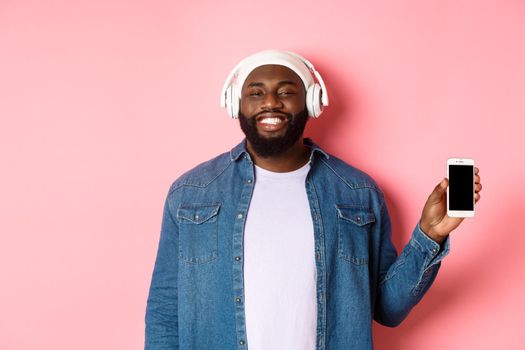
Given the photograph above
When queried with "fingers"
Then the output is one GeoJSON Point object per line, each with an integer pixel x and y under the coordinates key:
{"type": "Point", "coordinates": [477, 184]}
{"type": "Point", "coordinates": [477, 187]}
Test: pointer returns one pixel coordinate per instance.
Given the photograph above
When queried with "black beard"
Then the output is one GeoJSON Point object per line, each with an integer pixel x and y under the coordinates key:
{"type": "Point", "coordinates": [274, 146]}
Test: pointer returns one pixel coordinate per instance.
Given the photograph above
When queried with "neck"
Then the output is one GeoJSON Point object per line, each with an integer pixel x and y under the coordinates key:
{"type": "Point", "coordinates": [292, 159]}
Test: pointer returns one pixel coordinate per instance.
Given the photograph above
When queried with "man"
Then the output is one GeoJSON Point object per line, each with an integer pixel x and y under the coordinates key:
{"type": "Point", "coordinates": [279, 245]}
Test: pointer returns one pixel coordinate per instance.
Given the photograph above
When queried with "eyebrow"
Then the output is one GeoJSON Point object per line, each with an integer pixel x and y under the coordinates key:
{"type": "Point", "coordinates": [282, 82]}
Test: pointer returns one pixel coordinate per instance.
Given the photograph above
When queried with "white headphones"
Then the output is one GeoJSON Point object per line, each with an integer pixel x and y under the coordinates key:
{"type": "Point", "coordinates": [316, 96]}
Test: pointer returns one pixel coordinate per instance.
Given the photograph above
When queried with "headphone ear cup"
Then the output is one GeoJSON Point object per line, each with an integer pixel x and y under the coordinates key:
{"type": "Point", "coordinates": [227, 100]}
{"type": "Point", "coordinates": [235, 101]}
{"type": "Point", "coordinates": [313, 101]}
{"type": "Point", "coordinates": [231, 102]}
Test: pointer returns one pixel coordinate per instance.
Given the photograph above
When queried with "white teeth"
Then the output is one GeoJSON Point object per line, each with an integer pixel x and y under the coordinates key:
{"type": "Point", "coordinates": [272, 121]}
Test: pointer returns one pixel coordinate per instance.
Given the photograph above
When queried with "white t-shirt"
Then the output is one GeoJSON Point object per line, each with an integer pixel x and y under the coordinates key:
{"type": "Point", "coordinates": [279, 264]}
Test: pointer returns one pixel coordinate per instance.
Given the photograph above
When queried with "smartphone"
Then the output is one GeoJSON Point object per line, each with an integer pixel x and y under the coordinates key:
{"type": "Point", "coordinates": [460, 190]}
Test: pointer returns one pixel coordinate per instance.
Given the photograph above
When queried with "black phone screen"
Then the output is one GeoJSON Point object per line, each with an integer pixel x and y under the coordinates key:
{"type": "Point", "coordinates": [461, 187]}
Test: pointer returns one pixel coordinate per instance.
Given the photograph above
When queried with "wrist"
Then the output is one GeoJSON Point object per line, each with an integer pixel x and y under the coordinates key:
{"type": "Point", "coordinates": [431, 234]}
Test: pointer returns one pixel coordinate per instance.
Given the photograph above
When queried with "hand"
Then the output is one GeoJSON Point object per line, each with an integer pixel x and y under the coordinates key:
{"type": "Point", "coordinates": [434, 220]}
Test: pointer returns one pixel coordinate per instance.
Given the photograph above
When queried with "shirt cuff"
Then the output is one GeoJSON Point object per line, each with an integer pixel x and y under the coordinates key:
{"type": "Point", "coordinates": [429, 247]}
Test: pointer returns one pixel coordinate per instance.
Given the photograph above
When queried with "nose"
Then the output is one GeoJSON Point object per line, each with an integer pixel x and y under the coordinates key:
{"type": "Point", "coordinates": [272, 100]}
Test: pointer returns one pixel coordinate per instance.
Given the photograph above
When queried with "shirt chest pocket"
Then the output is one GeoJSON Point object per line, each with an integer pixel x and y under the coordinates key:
{"type": "Point", "coordinates": [198, 232]}
{"type": "Point", "coordinates": [353, 225]}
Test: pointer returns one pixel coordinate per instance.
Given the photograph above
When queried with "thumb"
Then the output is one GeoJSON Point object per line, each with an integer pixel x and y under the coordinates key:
{"type": "Point", "coordinates": [439, 191]}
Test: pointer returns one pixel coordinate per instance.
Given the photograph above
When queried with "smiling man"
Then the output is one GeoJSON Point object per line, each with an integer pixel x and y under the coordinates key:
{"type": "Point", "coordinates": [274, 122]}
{"type": "Point", "coordinates": [277, 244]}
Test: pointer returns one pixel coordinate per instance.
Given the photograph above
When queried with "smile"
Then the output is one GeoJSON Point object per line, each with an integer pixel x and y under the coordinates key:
{"type": "Point", "coordinates": [271, 121]}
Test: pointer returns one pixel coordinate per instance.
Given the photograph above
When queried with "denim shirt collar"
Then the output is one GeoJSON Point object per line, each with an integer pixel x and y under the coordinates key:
{"type": "Point", "coordinates": [237, 151]}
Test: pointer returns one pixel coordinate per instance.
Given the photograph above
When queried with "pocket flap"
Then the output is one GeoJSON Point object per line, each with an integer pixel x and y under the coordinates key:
{"type": "Point", "coordinates": [358, 215]}
{"type": "Point", "coordinates": [199, 213]}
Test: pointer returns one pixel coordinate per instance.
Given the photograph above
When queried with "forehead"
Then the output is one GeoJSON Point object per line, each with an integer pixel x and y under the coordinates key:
{"type": "Point", "coordinates": [271, 73]}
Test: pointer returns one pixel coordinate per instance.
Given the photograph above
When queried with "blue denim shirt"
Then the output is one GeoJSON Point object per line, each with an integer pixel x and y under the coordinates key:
{"type": "Point", "coordinates": [196, 298]}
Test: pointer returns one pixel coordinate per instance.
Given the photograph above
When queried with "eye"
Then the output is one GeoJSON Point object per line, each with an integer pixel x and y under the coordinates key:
{"type": "Point", "coordinates": [255, 93]}
{"type": "Point", "coordinates": [286, 93]}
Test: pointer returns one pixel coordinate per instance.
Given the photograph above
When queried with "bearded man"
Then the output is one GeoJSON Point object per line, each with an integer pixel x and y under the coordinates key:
{"type": "Point", "coordinates": [277, 244]}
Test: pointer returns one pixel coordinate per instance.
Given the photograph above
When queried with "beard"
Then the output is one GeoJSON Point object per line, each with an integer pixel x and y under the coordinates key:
{"type": "Point", "coordinates": [266, 147]}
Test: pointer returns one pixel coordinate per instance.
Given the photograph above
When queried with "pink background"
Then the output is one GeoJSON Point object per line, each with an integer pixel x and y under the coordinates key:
{"type": "Point", "coordinates": [104, 103]}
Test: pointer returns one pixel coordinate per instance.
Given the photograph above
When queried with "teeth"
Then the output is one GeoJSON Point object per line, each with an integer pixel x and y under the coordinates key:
{"type": "Point", "coordinates": [272, 121]}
